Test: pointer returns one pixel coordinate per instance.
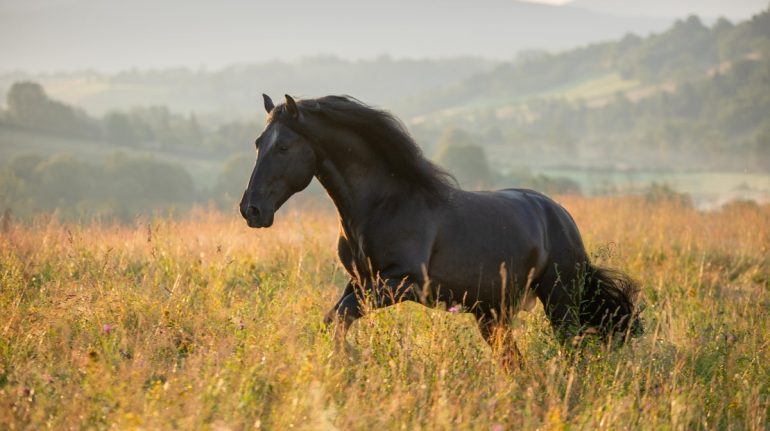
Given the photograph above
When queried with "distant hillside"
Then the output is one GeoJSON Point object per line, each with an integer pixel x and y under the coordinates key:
{"type": "Point", "coordinates": [691, 98]}
{"type": "Point", "coordinates": [235, 91]}
{"type": "Point", "coordinates": [686, 51]}
{"type": "Point", "coordinates": [710, 9]}
{"type": "Point", "coordinates": [34, 123]}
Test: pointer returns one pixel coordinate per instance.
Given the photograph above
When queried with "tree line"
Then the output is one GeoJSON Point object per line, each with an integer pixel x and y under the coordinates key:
{"type": "Point", "coordinates": [154, 127]}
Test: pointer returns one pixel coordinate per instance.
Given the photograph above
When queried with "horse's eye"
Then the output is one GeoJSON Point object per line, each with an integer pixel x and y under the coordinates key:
{"type": "Point", "coordinates": [283, 148]}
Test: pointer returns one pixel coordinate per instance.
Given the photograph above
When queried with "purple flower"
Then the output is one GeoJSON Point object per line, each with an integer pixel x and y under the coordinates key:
{"type": "Point", "coordinates": [107, 328]}
{"type": "Point", "coordinates": [455, 308]}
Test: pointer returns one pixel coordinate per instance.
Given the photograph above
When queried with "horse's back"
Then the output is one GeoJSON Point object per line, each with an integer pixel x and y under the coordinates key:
{"type": "Point", "coordinates": [562, 235]}
{"type": "Point", "coordinates": [521, 210]}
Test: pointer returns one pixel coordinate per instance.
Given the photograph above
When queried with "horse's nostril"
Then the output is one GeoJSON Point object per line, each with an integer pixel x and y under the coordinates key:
{"type": "Point", "coordinates": [252, 212]}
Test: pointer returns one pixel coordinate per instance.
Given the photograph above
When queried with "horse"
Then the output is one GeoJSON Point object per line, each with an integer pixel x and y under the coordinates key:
{"type": "Point", "coordinates": [409, 233]}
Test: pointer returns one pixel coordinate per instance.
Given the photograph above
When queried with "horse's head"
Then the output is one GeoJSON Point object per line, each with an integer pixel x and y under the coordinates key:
{"type": "Point", "coordinates": [285, 165]}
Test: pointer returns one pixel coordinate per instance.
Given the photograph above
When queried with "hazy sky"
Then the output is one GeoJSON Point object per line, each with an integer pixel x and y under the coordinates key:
{"type": "Point", "coordinates": [52, 35]}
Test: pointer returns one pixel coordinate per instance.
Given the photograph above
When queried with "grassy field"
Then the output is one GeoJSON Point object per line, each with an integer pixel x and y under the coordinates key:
{"type": "Point", "coordinates": [205, 324]}
{"type": "Point", "coordinates": [596, 90]}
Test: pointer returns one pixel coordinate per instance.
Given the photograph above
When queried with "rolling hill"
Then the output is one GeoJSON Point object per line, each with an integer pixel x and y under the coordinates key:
{"type": "Point", "coordinates": [709, 9]}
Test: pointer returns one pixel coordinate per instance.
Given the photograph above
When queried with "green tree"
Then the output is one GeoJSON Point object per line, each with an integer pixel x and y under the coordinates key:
{"type": "Point", "coordinates": [29, 106]}
{"type": "Point", "coordinates": [122, 187]}
{"type": "Point", "coordinates": [154, 184]}
{"type": "Point", "coordinates": [121, 129]}
{"type": "Point", "coordinates": [463, 158]}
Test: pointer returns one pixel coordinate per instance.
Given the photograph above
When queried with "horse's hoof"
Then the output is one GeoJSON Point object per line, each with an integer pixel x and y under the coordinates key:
{"type": "Point", "coordinates": [330, 318]}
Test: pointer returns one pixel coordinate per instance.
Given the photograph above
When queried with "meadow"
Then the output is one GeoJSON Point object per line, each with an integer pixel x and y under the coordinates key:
{"type": "Point", "coordinates": [202, 323]}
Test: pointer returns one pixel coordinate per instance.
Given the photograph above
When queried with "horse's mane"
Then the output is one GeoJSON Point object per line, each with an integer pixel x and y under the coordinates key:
{"type": "Point", "coordinates": [386, 136]}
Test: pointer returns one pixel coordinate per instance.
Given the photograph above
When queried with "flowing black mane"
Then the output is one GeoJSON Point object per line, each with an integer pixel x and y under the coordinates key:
{"type": "Point", "coordinates": [385, 135]}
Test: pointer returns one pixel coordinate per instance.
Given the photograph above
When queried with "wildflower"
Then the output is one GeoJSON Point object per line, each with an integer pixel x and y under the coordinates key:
{"type": "Point", "coordinates": [107, 328]}
{"type": "Point", "coordinates": [455, 308]}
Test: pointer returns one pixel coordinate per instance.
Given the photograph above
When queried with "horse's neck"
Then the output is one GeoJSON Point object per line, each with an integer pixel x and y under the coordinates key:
{"type": "Point", "coordinates": [355, 183]}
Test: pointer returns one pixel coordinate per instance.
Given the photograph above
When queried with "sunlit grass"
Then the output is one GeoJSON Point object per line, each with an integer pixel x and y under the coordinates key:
{"type": "Point", "coordinates": [203, 323]}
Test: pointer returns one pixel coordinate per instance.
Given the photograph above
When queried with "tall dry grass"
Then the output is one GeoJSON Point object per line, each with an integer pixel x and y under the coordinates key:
{"type": "Point", "coordinates": [205, 324]}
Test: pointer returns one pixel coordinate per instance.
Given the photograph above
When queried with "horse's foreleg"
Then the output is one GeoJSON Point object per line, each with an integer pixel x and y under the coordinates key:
{"type": "Point", "coordinates": [347, 309]}
{"type": "Point", "coordinates": [391, 291]}
{"type": "Point", "coordinates": [331, 316]}
{"type": "Point", "coordinates": [500, 338]}
{"type": "Point", "coordinates": [382, 293]}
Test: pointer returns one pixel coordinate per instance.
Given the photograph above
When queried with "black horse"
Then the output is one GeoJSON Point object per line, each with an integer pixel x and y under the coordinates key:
{"type": "Point", "coordinates": [408, 233]}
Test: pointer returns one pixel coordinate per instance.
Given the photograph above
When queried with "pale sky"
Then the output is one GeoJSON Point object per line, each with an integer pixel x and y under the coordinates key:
{"type": "Point", "coordinates": [60, 35]}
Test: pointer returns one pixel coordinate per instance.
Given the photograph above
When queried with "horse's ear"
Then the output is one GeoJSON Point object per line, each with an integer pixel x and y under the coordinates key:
{"type": "Point", "coordinates": [268, 103]}
{"type": "Point", "coordinates": [291, 106]}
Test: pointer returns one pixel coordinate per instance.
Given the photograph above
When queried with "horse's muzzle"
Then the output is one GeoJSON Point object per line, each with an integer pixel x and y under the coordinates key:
{"type": "Point", "coordinates": [256, 217]}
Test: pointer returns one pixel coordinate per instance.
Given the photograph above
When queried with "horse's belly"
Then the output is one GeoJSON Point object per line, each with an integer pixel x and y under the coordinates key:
{"type": "Point", "coordinates": [485, 274]}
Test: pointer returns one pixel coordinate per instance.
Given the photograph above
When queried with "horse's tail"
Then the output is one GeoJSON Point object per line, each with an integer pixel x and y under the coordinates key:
{"type": "Point", "coordinates": [608, 303]}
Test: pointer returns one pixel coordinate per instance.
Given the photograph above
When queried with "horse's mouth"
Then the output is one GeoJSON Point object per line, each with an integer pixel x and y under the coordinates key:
{"type": "Point", "coordinates": [259, 222]}
{"type": "Point", "coordinates": [260, 213]}
{"type": "Point", "coordinates": [254, 223]}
